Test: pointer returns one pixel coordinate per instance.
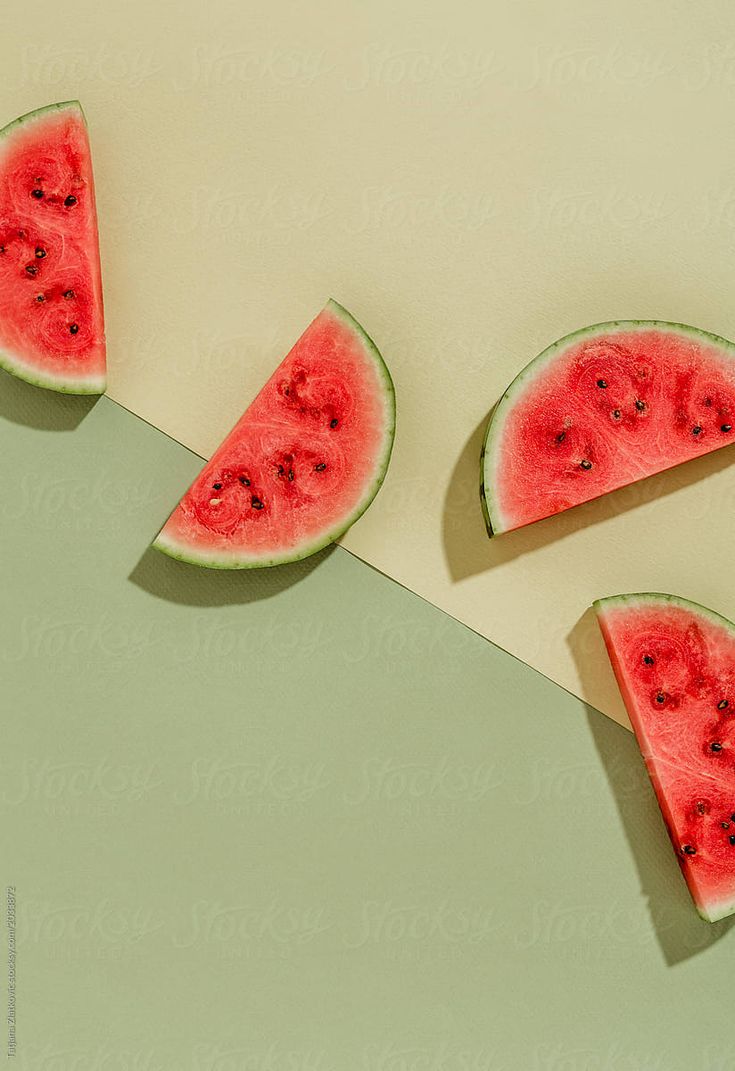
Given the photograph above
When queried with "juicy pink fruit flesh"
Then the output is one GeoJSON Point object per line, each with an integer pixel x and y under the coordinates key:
{"type": "Point", "coordinates": [303, 461]}
{"type": "Point", "coordinates": [668, 396]}
{"type": "Point", "coordinates": [51, 314]}
{"type": "Point", "coordinates": [675, 664]}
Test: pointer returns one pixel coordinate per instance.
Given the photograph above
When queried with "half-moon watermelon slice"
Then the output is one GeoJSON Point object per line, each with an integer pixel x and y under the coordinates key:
{"type": "Point", "coordinates": [602, 408]}
{"type": "Point", "coordinates": [304, 461]}
{"type": "Point", "coordinates": [51, 318]}
{"type": "Point", "coordinates": [675, 663]}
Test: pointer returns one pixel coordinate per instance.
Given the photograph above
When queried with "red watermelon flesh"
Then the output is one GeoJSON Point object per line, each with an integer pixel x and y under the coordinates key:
{"type": "Point", "coordinates": [303, 463]}
{"type": "Point", "coordinates": [51, 314]}
{"type": "Point", "coordinates": [675, 664]}
{"type": "Point", "coordinates": [600, 409]}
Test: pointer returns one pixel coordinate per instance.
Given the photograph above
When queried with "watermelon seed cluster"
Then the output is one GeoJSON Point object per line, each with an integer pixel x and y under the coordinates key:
{"type": "Point", "coordinates": [702, 808]}
{"type": "Point", "coordinates": [33, 269]}
{"type": "Point", "coordinates": [255, 502]}
{"type": "Point", "coordinates": [283, 469]}
{"type": "Point", "coordinates": [38, 194]}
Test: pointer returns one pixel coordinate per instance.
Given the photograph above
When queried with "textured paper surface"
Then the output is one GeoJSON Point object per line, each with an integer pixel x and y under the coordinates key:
{"type": "Point", "coordinates": [471, 189]}
{"type": "Point", "coordinates": [300, 820]}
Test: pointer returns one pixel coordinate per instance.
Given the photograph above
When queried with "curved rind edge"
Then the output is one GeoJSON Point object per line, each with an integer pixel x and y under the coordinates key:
{"type": "Point", "coordinates": [44, 110]}
{"type": "Point", "coordinates": [185, 554]}
{"type": "Point", "coordinates": [30, 374]}
{"type": "Point", "coordinates": [493, 434]}
{"type": "Point", "coordinates": [636, 598]}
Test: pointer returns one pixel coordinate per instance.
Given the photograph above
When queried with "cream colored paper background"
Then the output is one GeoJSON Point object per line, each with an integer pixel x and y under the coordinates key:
{"type": "Point", "coordinates": [471, 182]}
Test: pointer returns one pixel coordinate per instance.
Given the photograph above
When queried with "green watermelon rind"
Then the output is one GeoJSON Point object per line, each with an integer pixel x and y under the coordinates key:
{"type": "Point", "coordinates": [657, 598]}
{"type": "Point", "coordinates": [38, 113]}
{"type": "Point", "coordinates": [186, 554]}
{"type": "Point", "coordinates": [62, 385]}
{"type": "Point", "coordinates": [492, 513]}
{"type": "Point", "coordinates": [10, 362]}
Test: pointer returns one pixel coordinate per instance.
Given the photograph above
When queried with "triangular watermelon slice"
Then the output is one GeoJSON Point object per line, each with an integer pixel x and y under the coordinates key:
{"type": "Point", "coordinates": [51, 318]}
{"type": "Point", "coordinates": [602, 408]}
{"type": "Point", "coordinates": [302, 464]}
{"type": "Point", "coordinates": [675, 664]}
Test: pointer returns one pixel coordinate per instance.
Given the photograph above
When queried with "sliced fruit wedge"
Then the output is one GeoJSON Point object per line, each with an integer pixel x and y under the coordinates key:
{"type": "Point", "coordinates": [302, 464]}
{"type": "Point", "coordinates": [52, 330]}
{"type": "Point", "coordinates": [675, 663]}
{"type": "Point", "coordinates": [602, 408]}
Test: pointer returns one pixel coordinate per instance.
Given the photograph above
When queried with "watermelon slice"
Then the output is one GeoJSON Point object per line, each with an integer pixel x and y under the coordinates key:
{"type": "Point", "coordinates": [51, 319]}
{"type": "Point", "coordinates": [602, 408]}
{"type": "Point", "coordinates": [675, 664]}
{"type": "Point", "coordinates": [303, 463]}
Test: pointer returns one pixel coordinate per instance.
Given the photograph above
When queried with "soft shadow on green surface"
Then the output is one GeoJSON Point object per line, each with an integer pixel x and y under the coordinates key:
{"type": "Point", "coordinates": [680, 931]}
{"type": "Point", "coordinates": [470, 551]}
{"type": "Point", "coordinates": [46, 410]}
{"type": "Point", "coordinates": [363, 830]}
{"type": "Point", "coordinates": [192, 585]}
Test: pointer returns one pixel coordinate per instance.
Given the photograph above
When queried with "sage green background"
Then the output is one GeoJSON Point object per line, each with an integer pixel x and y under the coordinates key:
{"type": "Point", "coordinates": [300, 819]}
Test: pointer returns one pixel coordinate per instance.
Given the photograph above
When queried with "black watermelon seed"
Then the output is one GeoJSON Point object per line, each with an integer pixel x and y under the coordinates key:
{"type": "Point", "coordinates": [31, 269]}
{"type": "Point", "coordinates": [561, 436]}
{"type": "Point", "coordinates": [68, 294]}
{"type": "Point", "coordinates": [70, 200]}
{"type": "Point", "coordinates": [320, 467]}
{"type": "Point", "coordinates": [244, 481]}
{"type": "Point", "coordinates": [73, 328]}
{"type": "Point", "coordinates": [648, 660]}
{"type": "Point", "coordinates": [726, 427]}
{"type": "Point", "coordinates": [602, 383]}
{"type": "Point", "coordinates": [333, 423]}
{"type": "Point", "coordinates": [617, 414]}
{"type": "Point", "coordinates": [660, 698]}
{"type": "Point", "coordinates": [697, 429]}
{"type": "Point", "coordinates": [585, 464]}
{"type": "Point", "coordinates": [40, 252]}
{"type": "Point", "coordinates": [732, 839]}
{"type": "Point", "coordinates": [2, 248]}
{"type": "Point", "coordinates": [723, 703]}
{"type": "Point", "coordinates": [40, 297]}
{"type": "Point", "coordinates": [256, 503]}
{"type": "Point", "coordinates": [689, 850]}
{"type": "Point", "coordinates": [290, 474]}
{"type": "Point", "coordinates": [732, 817]}
{"type": "Point", "coordinates": [725, 825]}
{"type": "Point", "coordinates": [715, 746]}
{"type": "Point", "coordinates": [701, 807]}
{"type": "Point", "coordinates": [640, 406]}
{"type": "Point", "coordinates": [281, 470]}
{"type": "Point", "coordinates": [216, 486]}
{"type": "Point", "coordinates": [38, 194]}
